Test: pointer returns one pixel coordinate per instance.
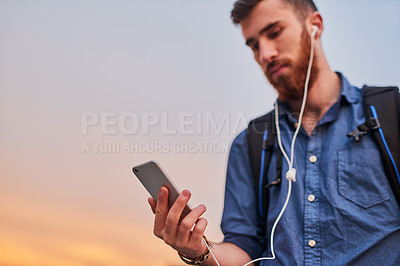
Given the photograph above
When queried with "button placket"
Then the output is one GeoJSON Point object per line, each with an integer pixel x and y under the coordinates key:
{"type": "Point", "coordinates": [311, 211]}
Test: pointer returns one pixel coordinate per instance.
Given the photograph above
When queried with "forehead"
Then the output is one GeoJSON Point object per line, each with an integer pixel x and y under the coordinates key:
{"type": "Point", "coordinates": [267, 12]}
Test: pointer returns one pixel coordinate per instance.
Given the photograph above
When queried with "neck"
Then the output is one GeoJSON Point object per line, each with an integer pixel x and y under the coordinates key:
{"type": "Point", "coordinates": [322, 94]}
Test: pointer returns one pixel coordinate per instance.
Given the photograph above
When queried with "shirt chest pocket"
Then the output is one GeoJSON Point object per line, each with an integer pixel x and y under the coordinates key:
{"type": "Point", "coordinates": [361, 177]}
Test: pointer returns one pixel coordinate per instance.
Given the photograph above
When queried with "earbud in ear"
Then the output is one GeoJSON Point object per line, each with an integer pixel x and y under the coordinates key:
{"type": "Point", "coordinates": [314, 30]}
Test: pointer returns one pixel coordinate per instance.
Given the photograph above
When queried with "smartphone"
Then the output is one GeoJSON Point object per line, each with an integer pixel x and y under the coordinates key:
{"type": "Point", "coordinates": [153, 177]}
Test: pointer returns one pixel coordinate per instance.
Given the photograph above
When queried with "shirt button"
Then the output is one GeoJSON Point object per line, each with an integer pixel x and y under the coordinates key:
{"type": "Point", "coordinates": [312, 243]}
{"type": "Point", "coordinates": [311, 198]}
{"type": "Point", "coordinates": [312, 158]}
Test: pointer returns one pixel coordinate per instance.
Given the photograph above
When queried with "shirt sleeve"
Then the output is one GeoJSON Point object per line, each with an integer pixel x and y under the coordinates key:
{"type": "Point", "coordinates": [240, 223]}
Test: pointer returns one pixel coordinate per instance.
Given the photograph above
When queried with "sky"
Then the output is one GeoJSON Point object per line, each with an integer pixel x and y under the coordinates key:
{"type": "Point", "coordinates": [88, 89]}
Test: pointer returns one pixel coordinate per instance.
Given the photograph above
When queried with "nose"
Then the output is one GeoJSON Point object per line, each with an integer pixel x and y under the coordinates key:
{"type": "Point", "coordinates": [268, 51]}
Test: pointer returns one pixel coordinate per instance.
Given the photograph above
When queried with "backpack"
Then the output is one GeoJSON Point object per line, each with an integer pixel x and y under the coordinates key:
{"type": "Point", "coordinates": [382, 111]}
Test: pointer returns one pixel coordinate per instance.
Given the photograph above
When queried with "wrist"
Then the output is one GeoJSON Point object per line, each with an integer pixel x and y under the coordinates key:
{"type": "Point", "coordinates": [196, 260]}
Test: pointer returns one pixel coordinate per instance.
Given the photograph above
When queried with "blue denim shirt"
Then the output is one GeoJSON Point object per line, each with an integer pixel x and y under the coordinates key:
{"type": "Point", "coordinates": [352, 214]}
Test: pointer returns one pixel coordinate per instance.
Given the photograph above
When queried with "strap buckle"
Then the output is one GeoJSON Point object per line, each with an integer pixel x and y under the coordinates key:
{"type": "Point", "coordinates": [372, 123]}
{"type": "Point", "coordinates": [357, 134]}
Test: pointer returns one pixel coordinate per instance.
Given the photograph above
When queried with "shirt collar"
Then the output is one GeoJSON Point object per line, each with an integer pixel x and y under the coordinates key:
{"type": "Point", "coordinates": [351, 93]}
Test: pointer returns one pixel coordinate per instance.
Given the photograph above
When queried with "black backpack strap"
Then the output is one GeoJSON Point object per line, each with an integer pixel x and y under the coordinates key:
{"type": "Point", "coordinates": [382, 110]}
{"type": "Point", "coordinates": [261, 137]}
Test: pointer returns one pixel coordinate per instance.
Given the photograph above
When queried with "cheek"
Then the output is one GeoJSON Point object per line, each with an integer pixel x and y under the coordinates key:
{"type": "Point", "coordinates": [288, 45]}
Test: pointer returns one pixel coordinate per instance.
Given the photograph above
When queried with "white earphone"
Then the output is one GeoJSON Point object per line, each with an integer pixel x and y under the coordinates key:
{"type": "Point", "coordinates": [314, 30]}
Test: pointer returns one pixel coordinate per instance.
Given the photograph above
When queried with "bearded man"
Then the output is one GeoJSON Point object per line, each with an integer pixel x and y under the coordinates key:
{"type": "Point", "coordinates": [341, 209]}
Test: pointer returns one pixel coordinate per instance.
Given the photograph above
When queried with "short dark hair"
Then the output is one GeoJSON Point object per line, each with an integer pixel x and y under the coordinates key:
{"type": "Point", "coordinates": [242, 8]}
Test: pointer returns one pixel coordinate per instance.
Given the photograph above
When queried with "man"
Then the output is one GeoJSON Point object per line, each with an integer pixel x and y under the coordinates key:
{"type": "Point", "coordinates": [341, 209]}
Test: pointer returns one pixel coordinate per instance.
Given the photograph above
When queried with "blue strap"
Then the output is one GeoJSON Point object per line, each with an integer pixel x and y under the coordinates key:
{"type": "Point", "coordinates": [261, 179]}
{"type": "Point", "coordinates": [375, 115]}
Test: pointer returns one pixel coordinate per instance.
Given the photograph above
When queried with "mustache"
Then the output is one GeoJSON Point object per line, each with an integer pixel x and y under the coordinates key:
{"type": "Point", "coordinates": [278, 62]}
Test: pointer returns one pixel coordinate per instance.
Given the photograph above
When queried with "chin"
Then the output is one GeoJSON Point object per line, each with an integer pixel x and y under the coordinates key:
{"type": "Point", "coordinates": [287, 91]}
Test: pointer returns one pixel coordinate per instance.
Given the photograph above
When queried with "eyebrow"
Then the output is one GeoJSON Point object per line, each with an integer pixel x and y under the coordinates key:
{"type": "Point", "coordinates": [266, 28]}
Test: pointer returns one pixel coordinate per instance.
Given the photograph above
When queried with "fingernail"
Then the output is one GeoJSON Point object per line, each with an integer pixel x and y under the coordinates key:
{"type": "Point", "coordinates": [162, 191]}
{"type": "Point", "coordinates": [203, 207]}
{"type": "Point", "coordinates": [186, 193]}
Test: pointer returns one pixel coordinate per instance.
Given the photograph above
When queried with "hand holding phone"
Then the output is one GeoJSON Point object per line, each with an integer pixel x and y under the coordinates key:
{"type": "Point", "coordinates": [186, 237]}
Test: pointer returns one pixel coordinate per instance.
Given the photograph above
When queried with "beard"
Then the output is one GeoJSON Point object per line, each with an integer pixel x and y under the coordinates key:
{"type": "Point", "coordinates": [290, 85]}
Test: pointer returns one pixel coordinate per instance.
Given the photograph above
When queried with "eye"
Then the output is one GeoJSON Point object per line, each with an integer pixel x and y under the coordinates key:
{"type": "Point", "coordinates": [274, 34]}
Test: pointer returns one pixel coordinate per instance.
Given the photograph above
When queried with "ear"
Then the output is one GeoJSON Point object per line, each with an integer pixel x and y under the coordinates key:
{"type": "Point", "coordinates": [315, 19]}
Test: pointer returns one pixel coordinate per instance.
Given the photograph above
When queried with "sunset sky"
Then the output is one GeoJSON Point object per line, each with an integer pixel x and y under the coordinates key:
{"type": "Point", "coordinates": [90, 88]}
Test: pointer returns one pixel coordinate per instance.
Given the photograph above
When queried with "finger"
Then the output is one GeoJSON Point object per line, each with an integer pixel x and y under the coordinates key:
{"type": "Point", "coordinates": [187, 224]}
{"type": "Point", "coordinates": [198, 232]}
{"type": "Point", "coordinates": [174, 214]}
{"type": "Point", "coordinates": [153, 204]}
{"type": "Point", "coordinates": [161, 211]}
